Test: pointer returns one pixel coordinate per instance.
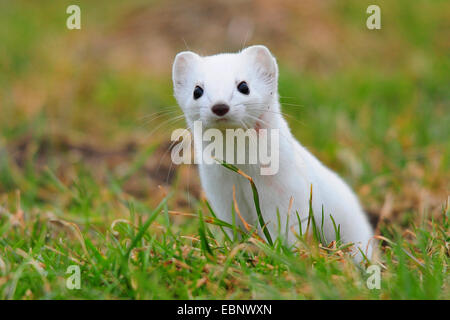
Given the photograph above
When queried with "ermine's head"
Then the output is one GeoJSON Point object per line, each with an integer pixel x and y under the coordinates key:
{"type": "Point", "coordinates": [231, 90]}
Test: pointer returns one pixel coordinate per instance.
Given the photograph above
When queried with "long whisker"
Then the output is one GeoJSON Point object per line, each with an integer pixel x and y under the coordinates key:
{"type": "Point", "coordinates": [285, 104]}
{"type": "Point", "coordinates": [148, 121]}
{"type": "Point", "coordinates": [285, 97]}
{"type": "Point", "coordinates": [165, 107]}
{"type": "Point", "coordinates": [260, 120]}
{"type": "Point", "coordinates": [277, 112]}
{"type": "Point", "coordinates": [166, 122]}
{"type": "Point", "coordinates": [170, 109]}
{"type": "Point", "coordinates": [243, 124]}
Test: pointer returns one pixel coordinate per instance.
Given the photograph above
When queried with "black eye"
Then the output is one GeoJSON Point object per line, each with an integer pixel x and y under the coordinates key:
{"type": "Point", "coordinates": [198, 92]}
{"type": "Point", "coordinates": [243, 88]}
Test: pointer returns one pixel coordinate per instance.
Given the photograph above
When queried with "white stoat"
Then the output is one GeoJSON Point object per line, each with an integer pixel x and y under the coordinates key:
{"type": "Point", "coordinates": [233, 90]}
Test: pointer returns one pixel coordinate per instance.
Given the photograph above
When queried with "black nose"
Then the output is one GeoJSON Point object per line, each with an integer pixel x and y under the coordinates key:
{"type": "Point", "coordinates": [220, 109]}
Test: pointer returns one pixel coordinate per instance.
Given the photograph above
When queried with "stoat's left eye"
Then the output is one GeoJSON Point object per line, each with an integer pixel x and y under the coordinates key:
{"type": "Point", "coordinates": [198, 92]}
{"type": "Point", "coordinates": [243, 88]}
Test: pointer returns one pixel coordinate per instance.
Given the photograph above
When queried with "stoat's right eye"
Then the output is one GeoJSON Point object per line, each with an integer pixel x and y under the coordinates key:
{"type": "Point", "coordinates": [198, 92]}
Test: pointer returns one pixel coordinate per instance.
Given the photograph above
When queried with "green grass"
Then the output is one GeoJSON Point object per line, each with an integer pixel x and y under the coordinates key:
{"type": "Point", "coordinates": [85, 179]}
{"type": "Point", "coordinates": [144, 256]}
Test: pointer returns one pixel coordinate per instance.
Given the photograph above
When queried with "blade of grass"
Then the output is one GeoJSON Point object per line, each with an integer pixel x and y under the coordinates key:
{"type": "Point", "coordinates": [255, 198]}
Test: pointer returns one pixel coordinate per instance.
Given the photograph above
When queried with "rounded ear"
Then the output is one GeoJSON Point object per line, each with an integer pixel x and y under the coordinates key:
{"type": "Point", "coordinates": [182, 65]}
{"type": "Point", "coordinates": [264, 60]}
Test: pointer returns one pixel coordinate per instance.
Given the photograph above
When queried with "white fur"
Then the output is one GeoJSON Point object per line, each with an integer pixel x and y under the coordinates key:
{"type": "Point", "coordinates": [219, 76]}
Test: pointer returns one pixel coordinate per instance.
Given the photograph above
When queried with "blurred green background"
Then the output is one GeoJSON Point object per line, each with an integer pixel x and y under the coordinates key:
{"type": "Point", "coordinates": [372, 104]}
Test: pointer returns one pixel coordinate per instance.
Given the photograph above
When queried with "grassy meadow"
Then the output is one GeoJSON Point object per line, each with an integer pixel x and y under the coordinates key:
{"type": "Point", "coordinates": [85, 172]}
